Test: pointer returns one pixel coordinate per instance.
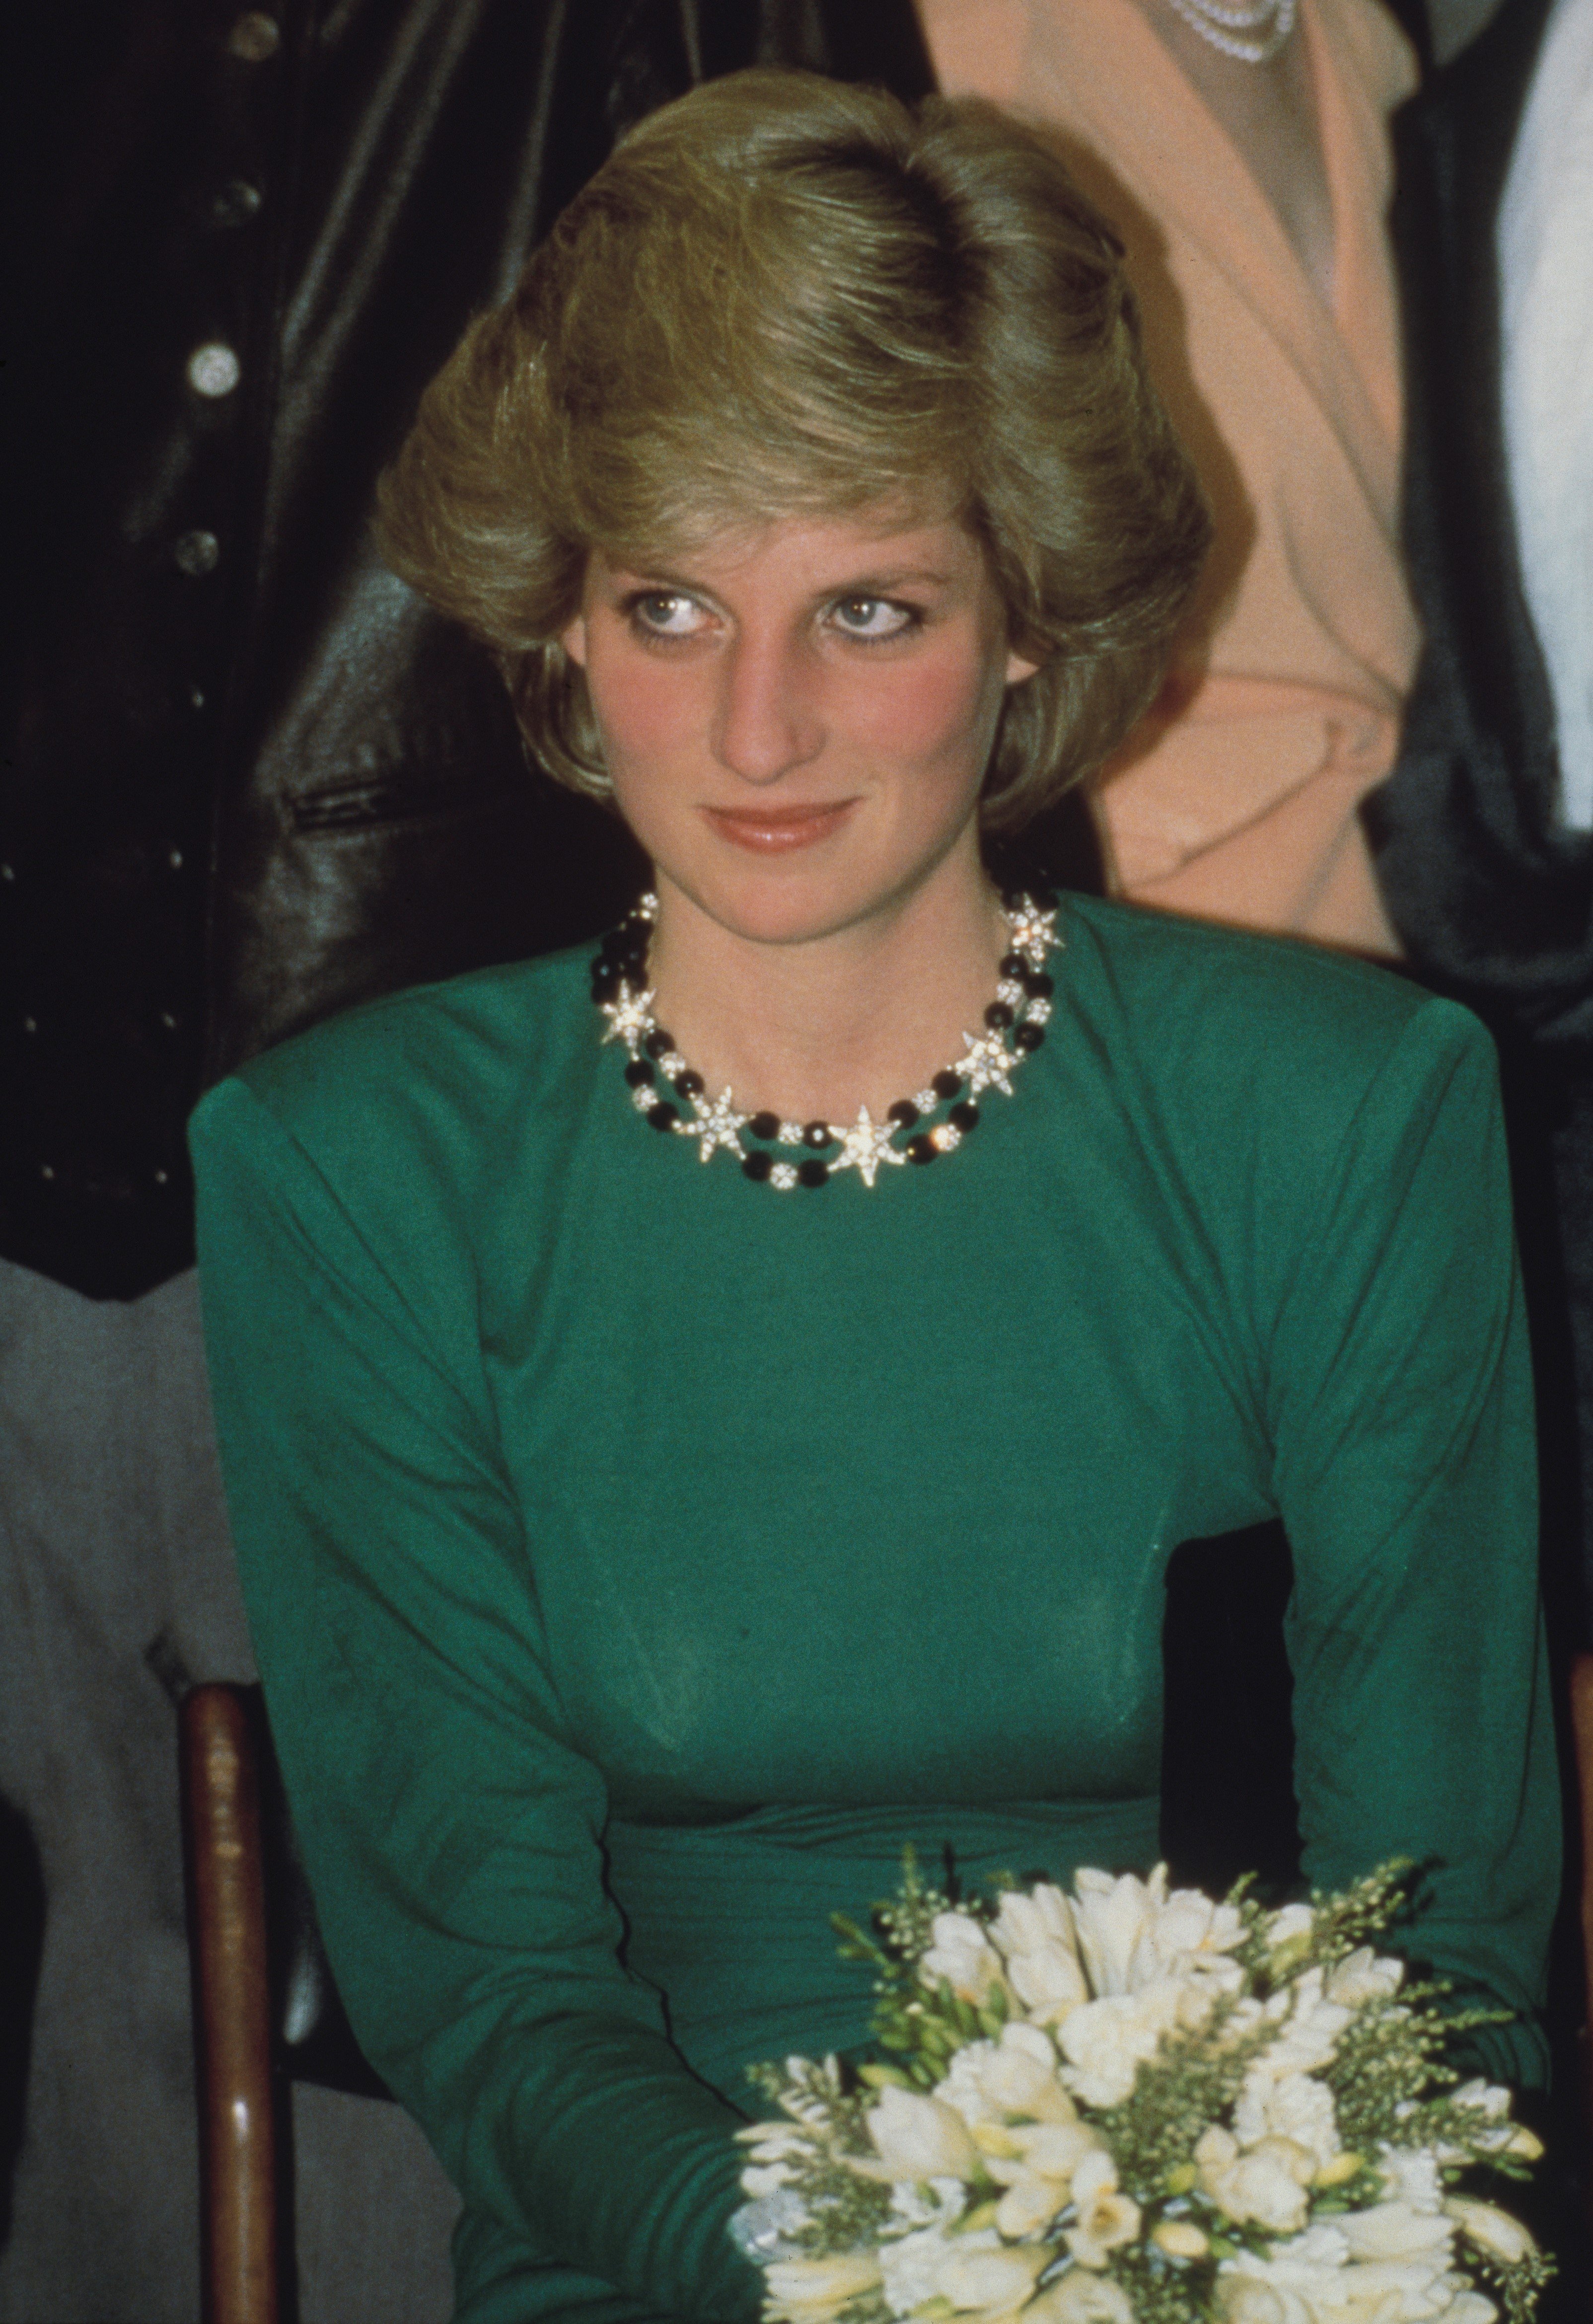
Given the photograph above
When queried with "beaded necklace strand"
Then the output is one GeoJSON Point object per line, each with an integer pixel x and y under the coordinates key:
{"type": "Point", "coordinates": [934, 1120]}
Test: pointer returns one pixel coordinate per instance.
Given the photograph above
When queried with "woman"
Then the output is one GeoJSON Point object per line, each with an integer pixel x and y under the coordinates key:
{"type": "Point", "coordinates": [1247, 166]}
{"type": "Point", "coordinates": [642, 1547]}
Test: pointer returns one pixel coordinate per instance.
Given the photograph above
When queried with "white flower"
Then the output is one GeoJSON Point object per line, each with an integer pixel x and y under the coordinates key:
{"type": "Point", "coordinates": [1109, 1918]}
{"type": "Point", "coordinates": [1491, 2230]}
{"type": "Point", "coordinates": [1034, 1934]}
{"type": "Point", "coordinates": [1316, 2280]}
{"type": "Point", "coordinates": [1362, 1976]}
{"type": "Point", "coordinates": [1311, 2025]}
{"type": "Point", "coordinates": [1036, 2165]}
{"type": "Point", "coordinates": [916, 2137]}
{"type": "Point", "coordinates": [986, 2080]}
{"type": "Point", "coordinates": [910, 2266]}
{"type": "Point", "coordinates": [995, 2278]}
{"type": "Point", "coordinates": [1105, 2040]}
{"type": "Point", "coordinates": [773, 2146]}
{"type": "Point", "coordinates": [1394, 2231]}
{"type": "Point", "coordinates": [1267, 2183]}
{"type": "Point", "coordinates": [812, 2290]}
{"type": "Point", "coordinates": [963, 1955]}
{"type": "Point", "coordinates": [1081, 2297]}
{"type": "Point", "coordinates": [1288, 1924]}
{"type": "Point", "coordinates": [1287, 2105]}
{"type": "Point", "coordinates": [1410, 2175]}
{"type": "Point", "coordinates": [928, 2202]}
{"type": "Point", "coordinates": [1107, 2217]}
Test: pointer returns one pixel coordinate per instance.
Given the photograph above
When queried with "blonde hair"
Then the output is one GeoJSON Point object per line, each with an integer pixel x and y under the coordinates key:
{"type": "Point", "coordinates": [783, 295]}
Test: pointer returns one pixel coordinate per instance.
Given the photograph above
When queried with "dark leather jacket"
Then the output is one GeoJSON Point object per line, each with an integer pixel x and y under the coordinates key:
{"type": "Point", "coordinates": [255, 781]}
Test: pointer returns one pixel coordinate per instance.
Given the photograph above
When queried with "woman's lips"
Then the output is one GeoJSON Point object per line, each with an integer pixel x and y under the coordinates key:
{"type": "Point", "coordinates": [772, 831]}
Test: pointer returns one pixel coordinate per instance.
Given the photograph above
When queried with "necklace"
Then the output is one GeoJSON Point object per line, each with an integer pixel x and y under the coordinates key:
{"type": "Point", "coordinates": [780, 1154]}
{"type": "Point", "coordinates": [1254, 33]}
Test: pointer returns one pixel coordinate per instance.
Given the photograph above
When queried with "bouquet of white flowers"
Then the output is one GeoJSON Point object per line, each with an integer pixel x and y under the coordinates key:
{"type": "Point", "coordinates": [1130, 2107]}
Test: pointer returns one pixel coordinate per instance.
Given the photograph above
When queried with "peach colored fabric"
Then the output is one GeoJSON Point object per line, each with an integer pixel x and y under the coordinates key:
{"type": "Point", "coordinates": [1236, 799]}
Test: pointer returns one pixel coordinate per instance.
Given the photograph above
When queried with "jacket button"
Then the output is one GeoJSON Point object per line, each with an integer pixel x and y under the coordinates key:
{"type": "Point", "coordinates": [236, 204]}
{"type": "Point", "coordinates": [214, 369]}
{"type": "Point", "coordinates": [196, 552]}
{"type": "Point", "coordinates": [255, 36]}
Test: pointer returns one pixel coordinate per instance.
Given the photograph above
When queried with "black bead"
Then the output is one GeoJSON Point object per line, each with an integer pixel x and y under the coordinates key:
{"type": "Point", "coordinates": [658, 1044]}
{"type": "Point", "coordinates": [1039, 985]}
{"type": "Point", "coordinates": [965, 1117]}
{"type": "Point", "coordinates": [922, 1149]}
{"type": "Point", "coordinates": [639, 1073]}
{"type": "Point", "coordinates": [766, 1126]}
{"type": "Point", "coordinates": [903, 1112]}
{"type": "Point", "coordinates": [813, 1174]}
{"type": "Point", "coordinates": [997, 1016]}
{"type": "Point", "coordinates": [605, 982]}
{"type": "Point", "coordinates": [689, 1084]}
{"type": "Point", "coordinates": [1014, 965]}
{"type": "Point", "coordinates": [1044, 900]}
{"type": "Point", "coordinates": [1029, 1037]}
{"type": "Point", "coordinates": [663, 1116]}
{"type": "Point", "coordinates": [816, 1134]}
{"type": "Point", "coordinates": [757, 1166]}
{"type": "Point", "coordinates": [946, 1085]}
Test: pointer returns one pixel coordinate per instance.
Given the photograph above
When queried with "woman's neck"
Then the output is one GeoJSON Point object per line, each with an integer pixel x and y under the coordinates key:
{"type": "Point", "coordinates": [813, 1030]}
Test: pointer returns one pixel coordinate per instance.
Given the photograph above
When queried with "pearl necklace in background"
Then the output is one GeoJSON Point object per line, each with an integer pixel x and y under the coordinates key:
{"type": "Point", "coordinates": [787, 1154]}
{"type": "Point", "coordinates": [1253, 34]}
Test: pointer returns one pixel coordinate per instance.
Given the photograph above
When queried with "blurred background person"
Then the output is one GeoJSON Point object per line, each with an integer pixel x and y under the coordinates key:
{"type": "Point", "coordinates": [1247, 170]}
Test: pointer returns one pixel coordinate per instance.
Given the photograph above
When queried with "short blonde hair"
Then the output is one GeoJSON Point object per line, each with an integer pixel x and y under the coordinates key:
{"type": "Point", "coordinates": [783, 295]}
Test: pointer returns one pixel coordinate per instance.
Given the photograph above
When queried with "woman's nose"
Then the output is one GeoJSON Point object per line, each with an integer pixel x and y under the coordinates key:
{"type": "Point", "coordinates": [768, 720]}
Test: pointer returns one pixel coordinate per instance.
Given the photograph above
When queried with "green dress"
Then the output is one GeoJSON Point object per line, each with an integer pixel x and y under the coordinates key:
{"type": "Point", "coordinates": [638, 1555]}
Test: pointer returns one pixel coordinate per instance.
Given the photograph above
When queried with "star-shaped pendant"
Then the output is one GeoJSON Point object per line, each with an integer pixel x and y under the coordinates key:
{"type": "Point", "coordinates": [716, 1123]}
{"type": "Point", "coordinates": [1034, 932]}
{"type": "Point", "coordinates": [865, 1146]}
{"type": "Point", "coordinates": [630, 1018]}
{"type": "Point", "coordinates": [988, 1064]}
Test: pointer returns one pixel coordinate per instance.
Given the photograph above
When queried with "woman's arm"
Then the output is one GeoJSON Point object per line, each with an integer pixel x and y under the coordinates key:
{"type": "Point", "coordinates": [450, 1831]}
{"type": "Point", "coordinates": [1402, 1415]}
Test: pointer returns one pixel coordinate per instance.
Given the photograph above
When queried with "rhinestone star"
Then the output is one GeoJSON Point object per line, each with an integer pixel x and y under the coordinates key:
{"type": "Point", "coordinates": [865, 1146]}
{"type": "Point", "coordinates": [1034, 932]}
{"type": "Point", "coordinates": [630, 1018]}
{"type": "Point", "coordinates": [988, 1064]}
{"type": "Point", "coordinates": [717, 1123]}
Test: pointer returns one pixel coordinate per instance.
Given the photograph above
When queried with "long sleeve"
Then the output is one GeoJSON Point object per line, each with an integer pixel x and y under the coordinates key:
{"type": "Point", "coordinates": [1401, 1412]}
{"type": "Point", "coordinates": [451, 1832]}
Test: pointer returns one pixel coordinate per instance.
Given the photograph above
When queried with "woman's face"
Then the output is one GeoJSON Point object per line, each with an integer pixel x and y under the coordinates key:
{"type": "Point", "coordinates": [797, 720]}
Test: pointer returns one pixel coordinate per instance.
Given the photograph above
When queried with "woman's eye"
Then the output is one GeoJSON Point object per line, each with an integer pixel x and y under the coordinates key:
{"type": "Point", "coordinates": [663, 613]}
{"type": "Point", "coordinates": [871, 617]}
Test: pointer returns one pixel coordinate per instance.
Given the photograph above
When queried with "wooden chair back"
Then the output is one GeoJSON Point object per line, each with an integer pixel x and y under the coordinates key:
{"type": "Point", "coordinates": [239, 2124]}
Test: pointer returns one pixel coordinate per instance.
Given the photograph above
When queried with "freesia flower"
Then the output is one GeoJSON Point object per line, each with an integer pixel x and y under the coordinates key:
{"type": "Point", "coordinates": [1035, 1935]}
{"type": "Point", "coordinates": [964, 1956]}
{"type": "Point", "coordinates": [916, 2137]}
{"type": "Point", "coordinates": [1109, 1918]}
{"type": "Point", "coordinates": [813, 2291]}
{"type": "Point", "coordinates": [1015, 2076]}
{"type": "Point", "coordinates": [1105, 2040]}
{"type": "Point", "coordinates": [1287, 2105]}
{"type": "Point", "coordinates": [1492, 2231]}
{"type": "Point", "coordinates": [1267, 2183]}
{"type": "Point", "coordinates": [1036, 2165]}
{"type": "Point", "coordinates": [1362, 1976]}
{"type": "Point", "coordinates": [1180, 2240]}
{"type": "Point", "coordinates": [1107, 2217]}
{"type": "Point", "coordinates": [1394, 2231]}
{"type": "Point", "coordinates": [1081, 2297]}
{"type": "Point", "coordinates": [994, 2278]}
{"type": "Point", "coordinates": [910, 2266]}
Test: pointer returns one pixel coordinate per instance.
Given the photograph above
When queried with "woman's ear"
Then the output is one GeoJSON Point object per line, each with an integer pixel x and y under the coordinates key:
{"type": "Point", "coordinates": [574, 641]}
{"type": "Point", "coordinates": [1018, 668]}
